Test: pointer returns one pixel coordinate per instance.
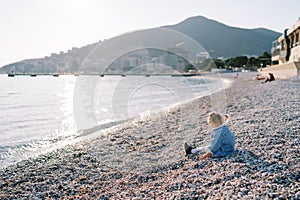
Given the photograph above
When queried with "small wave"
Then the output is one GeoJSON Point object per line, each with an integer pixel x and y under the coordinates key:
{"type": "Point", "coordinates": [89, 131]}
{"type": "Point", "coordinates": [14, 153]}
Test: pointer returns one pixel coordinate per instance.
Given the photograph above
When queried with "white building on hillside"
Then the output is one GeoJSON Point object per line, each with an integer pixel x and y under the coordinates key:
{"type": "Point", "coordinates": [286, 51]}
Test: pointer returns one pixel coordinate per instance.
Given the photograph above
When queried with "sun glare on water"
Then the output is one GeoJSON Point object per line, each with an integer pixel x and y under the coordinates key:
{"type": "Point", "coordinates": [66, 96]}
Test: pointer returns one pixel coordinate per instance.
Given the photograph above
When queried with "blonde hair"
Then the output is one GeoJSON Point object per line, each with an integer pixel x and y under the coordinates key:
{"type": "Point", "coordinates": [217, 118]}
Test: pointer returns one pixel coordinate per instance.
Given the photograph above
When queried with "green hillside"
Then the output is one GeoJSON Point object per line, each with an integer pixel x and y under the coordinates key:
{"type": "Point", "coordinates": [225, 41]}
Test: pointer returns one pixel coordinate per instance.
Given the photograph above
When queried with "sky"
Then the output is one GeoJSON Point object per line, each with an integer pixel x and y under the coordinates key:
{"type": "Point", "coordinates": [37, 28]}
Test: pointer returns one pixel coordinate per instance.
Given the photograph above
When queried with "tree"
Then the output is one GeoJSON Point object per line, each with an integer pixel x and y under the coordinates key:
{"type": "Point", "coordinates": [219, 63]}
{"type": "Point", "coordinates": [238, 61]}
{"type": "Point", "coordinates": [252, 63]}
{"type": "Point", "coordinates": [241, 61]}
{"type": "Point", "coordinates": [265, 59]}
{"type": "Point", "coordinates": [265, 55]}
{"type": "Point", "coordinates": [229, 62]}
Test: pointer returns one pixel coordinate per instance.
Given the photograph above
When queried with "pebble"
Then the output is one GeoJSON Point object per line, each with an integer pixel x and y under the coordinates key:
{"type": "Point", "coordinates": [144, 159]}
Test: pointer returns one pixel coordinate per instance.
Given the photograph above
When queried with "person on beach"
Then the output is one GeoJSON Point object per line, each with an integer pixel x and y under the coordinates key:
{"type": "Point", "coordinates": [270, 78]}
{"type": "Point", "coordinates": [236, 76]}
{"type": "Point", "coordinates": [223, 140]}
{"type": "Point", "coordinates": [259, 78]}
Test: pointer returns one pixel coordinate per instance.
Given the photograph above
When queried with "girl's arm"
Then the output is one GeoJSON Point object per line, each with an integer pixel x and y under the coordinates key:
{"type": "Point", "coordinates": [216, 143]}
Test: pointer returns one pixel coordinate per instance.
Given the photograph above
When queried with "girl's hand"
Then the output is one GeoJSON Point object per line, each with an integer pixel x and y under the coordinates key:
{"type": "Point", "coordinates": [207, 155]}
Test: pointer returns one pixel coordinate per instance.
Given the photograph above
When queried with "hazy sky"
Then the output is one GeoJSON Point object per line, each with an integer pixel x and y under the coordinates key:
{"type": "Point", "coordinates": [36, 28]}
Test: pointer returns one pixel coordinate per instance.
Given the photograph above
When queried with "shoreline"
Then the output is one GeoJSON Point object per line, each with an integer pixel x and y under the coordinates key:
{"type": "Point", "coordinates": [144, 158]}
{"type": "Point", "coordinates": [140, 134]}
{"type": "Point", "coordinates": [91, 132]}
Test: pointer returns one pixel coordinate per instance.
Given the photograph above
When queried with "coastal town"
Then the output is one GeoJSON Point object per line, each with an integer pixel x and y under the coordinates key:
{"type": "Point", "coordinates": [194, 110]}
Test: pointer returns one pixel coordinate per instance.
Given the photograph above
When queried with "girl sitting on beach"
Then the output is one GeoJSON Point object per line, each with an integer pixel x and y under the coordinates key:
{"type": "Point", "coordinates": [223, 140]}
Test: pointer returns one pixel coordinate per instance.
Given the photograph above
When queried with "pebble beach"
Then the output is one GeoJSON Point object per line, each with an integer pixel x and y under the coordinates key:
{"type": "Point", "coordinates": [143, 158]}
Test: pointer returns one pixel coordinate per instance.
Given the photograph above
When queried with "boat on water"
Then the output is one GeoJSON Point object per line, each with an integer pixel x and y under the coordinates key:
{"type": "Point", "coordinates": [286, 52]}
{"type": "Point", "coordinates": [183, 74]}
{"type": "Point", "coordinates": [11, 74]}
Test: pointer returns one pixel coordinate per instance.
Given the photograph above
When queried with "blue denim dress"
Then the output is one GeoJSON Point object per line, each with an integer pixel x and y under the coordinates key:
{"type": "Point", "coordinates": [222, 143]}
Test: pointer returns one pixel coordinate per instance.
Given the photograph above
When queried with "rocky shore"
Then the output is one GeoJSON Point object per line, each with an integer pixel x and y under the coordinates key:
{"type": "Point", "coordinates": [144, 158]}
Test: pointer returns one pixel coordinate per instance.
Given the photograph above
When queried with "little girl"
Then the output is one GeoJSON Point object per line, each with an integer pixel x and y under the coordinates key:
{"type": "Point", "coordinates": [223, 140]}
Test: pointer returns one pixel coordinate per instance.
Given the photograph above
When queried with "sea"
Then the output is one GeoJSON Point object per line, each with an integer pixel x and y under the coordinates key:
{"type": "Point", "coordinates": [37, 114]}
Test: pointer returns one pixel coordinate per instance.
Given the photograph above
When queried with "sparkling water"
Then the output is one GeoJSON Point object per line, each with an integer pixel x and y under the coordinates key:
{"type": "Point", "coordinates": [37, 113]}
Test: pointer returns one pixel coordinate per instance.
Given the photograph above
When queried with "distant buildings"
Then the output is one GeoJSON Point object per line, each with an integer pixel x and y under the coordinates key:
{"type": "Point", "coordinates": [286, 51]}
{"type": "Point", "coordinates": [286, 48]}
{"type": "Point", "coordinates": [201, 56]}
{"type": "Point", "coordinates": [149, 60]}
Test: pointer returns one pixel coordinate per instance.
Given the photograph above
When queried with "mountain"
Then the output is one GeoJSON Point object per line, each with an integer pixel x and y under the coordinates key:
{"type": "Point", "coordinates": [218, 39]}
{"type": "Point", "coordinates": [225, 41]}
